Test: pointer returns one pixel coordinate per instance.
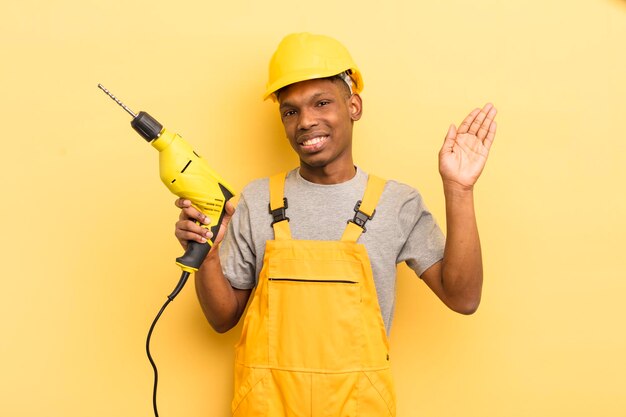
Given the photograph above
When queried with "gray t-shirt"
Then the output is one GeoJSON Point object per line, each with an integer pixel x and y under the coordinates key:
{"type": "Point", "coordinates": [402, 229]}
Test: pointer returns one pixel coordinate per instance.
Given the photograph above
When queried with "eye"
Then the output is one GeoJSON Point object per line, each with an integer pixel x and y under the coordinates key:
{"type": "Point", "coordinates": [323, 103]}
{"type": "Point", "coordinates": [288, 113]}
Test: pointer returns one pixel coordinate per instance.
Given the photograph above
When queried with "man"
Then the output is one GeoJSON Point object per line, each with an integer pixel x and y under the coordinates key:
{"type": "Point", "coordinates": [314, 338]}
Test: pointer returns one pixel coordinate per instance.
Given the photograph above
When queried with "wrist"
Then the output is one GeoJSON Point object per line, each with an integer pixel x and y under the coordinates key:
{"type": "Point", "coordinates": [211, 257]}
{"type": "Point", "coordinates": [454, 188]}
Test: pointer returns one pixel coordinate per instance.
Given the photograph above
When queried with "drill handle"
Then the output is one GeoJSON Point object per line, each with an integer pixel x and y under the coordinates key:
{"type": "Point", "coordinates": [191, 261]}
{"type": "Point", "coordinates": [196, 252]}
{"type": "Point", "coordinates": [194, 255]}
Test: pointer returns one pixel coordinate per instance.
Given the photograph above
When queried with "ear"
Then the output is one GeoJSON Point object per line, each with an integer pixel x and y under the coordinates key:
{"type": "Point", "coordinates": [355, 105]}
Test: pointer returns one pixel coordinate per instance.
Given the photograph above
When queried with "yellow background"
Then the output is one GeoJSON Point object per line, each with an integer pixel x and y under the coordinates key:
{"type": "Point", "coordinates": [87, 227]}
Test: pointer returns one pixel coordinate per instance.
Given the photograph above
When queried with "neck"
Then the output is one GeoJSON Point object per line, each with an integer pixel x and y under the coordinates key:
{"type": "Point", "coordinates": [327, 175]}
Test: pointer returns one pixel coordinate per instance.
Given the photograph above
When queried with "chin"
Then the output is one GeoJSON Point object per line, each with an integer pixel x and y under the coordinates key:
{"type": "Point", "coordinates": [311, 159]}
{"type": "Point", "coordinates": [313, 164]}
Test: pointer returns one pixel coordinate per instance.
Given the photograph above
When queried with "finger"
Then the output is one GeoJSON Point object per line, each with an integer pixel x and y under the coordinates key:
{"type": "Point", "coordinates": [484, 127]}
{"type": "Point", "coordinates": [182, 203]}
{"type": "Point", "coordinates": [190, 230]}
{"type": "Point", "coordinates": [184, 237]}
{"type": "Point", "coordinates": [478, 120]}
{"type": "Point", "coordinates": [467, 122]}
{"type": "Point", "coordinates": [192, 227]}
{"type": "Point", "coordinates": [491, 135]}
{"type": "Point", "coordinates": [192, 213]}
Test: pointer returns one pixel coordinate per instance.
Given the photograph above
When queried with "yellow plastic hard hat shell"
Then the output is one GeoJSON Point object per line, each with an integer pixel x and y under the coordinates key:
{"type": "Point", "coordinates": [305, 56]}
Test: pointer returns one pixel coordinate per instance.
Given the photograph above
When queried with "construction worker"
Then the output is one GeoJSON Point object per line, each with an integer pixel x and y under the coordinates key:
{"type": "Point", "coordinates": [320, 245]}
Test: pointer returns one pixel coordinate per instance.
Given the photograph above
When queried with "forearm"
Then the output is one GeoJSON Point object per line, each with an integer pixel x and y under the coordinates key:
{"type": "Point", "coordinates": [220, 302]}
{"type": "Point", "coordinates": [462, 271]}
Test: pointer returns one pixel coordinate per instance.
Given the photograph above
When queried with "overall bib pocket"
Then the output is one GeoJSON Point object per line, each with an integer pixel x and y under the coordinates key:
{"type": "Point", "coordinates": [314, 317]}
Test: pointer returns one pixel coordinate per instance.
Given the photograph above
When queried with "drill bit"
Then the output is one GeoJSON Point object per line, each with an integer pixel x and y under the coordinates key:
{"type": "Point", "coordinates": [101, 87]}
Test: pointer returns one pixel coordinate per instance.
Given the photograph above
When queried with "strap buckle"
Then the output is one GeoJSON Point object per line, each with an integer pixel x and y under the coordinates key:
{"type": "Point", "coordinates": [361, 218]}
{"type": "Point", "coordinates": [280, 213]}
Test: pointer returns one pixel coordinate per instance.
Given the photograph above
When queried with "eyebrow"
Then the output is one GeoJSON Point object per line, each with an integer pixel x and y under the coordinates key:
{"type": "Point", "coordinates": [312, 98]}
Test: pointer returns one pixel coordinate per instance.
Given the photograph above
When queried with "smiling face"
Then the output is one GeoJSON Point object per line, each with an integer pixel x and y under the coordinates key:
{"type": "Point", "coordinates": [318, 116]}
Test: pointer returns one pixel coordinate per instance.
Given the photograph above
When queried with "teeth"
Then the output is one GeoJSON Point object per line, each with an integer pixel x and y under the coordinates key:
{"type": "Point", "coordinates": [314, 141]}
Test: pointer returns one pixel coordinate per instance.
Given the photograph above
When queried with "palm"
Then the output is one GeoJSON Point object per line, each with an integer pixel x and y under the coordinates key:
{"type": "Point", "coordinates": [464, 152]}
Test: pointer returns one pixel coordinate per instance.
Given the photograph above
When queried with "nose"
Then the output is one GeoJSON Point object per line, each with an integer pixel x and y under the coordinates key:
{"type": "Point", "coordinates": [306, 119]}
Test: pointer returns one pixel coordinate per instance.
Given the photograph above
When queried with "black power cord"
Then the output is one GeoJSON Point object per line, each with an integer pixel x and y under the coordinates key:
{"type": "Point", "coordinates": [170, 298]}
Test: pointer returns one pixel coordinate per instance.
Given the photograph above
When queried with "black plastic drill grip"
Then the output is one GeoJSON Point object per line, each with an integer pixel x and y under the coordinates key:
{"type": "Point", "coordinates": [195, 254]}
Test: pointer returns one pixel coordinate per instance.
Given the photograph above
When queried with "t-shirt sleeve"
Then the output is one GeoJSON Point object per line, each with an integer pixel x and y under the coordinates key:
{"type": "Point", "coordinates": [425, 242]}
{"type": "Point", "coordinates": [237, 254]}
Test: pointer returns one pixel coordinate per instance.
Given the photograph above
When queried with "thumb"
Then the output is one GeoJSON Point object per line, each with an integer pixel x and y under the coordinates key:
{"type": "Point", "coordinates": [229, 210]}
{"type": "Point", "coordinates": [448, 142]}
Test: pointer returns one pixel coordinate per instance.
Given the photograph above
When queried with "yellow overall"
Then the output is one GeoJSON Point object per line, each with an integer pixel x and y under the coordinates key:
{"type": "Point", "coordinates": [313, 342]}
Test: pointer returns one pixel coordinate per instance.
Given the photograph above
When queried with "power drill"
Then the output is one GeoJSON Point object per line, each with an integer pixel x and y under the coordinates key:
{"type": "Point", "coordinates": [186, 174]}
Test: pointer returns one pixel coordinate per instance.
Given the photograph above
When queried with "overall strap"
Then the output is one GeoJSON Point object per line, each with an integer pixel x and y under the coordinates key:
{"type": "Point", "coordinates": [278, 205]}
{"type": "Point", "coordinates": [364, 209]}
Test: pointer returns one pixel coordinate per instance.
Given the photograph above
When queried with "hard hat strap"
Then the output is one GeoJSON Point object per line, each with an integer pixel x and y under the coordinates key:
{"type": "Point", "coordinates": [347, 79]}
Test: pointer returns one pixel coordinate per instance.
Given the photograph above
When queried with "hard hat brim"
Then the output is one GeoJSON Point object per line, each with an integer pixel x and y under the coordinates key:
{"type": "Point", "coordinates": [308, 75]}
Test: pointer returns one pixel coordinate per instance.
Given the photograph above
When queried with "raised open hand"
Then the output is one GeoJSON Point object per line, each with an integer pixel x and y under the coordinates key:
{"type": "Point", "coordinates": [464, 152]}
